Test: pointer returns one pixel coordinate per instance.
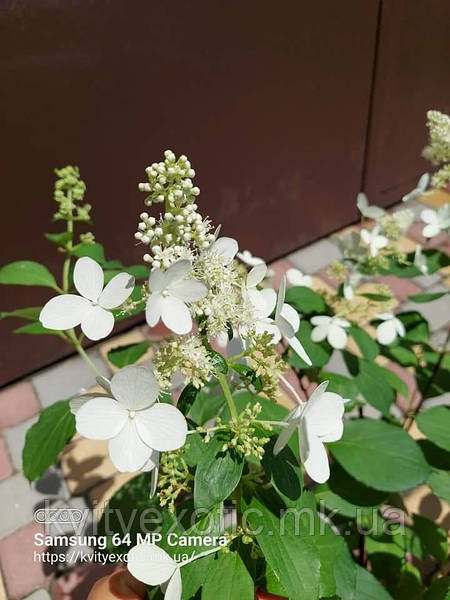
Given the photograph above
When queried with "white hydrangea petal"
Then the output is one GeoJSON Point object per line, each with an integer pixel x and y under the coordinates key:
{"type": "Point", "coordinates": [258, 300]}
{"type": "Point", "coordinates": [163, 427]}
{"type": "Point", "coordinates": [127, 451]}
{"type": "Point", "coordinates": [334, 434]}
{"type": "Point", "coordinates": [256, 275]}
{"type": "Point", "coordinates": [284, 437]}
{"type": "Point", "coordinates": [100, 418]}
{"type": "Point", "coordinates": [225, 247]}
{"type": "Point", "coordinates": [64, 312]}
{"type": "Point", "coordinates": [400, 328]}
{"type": "Point", "coordinates": [337, 337]}
{"type": "Point", "coordinates": [365, 236]}
{"type": "Point", "coordinates": [319, 333]}
{"type": "Point", "coordinates": [156, 281]}
{"type": "Point", "coordinates": [176, 272]}
{"type": "Point", "coordinates": [188, 290]}
{"type": "Point", "coordinates": [291, 316]}
{"type": "Point", "coordinates": [97, 323]}
{"type": "Point", "coordinates": [268, 327]}
{"type": "Point", "coordinates": [423, 182]}
{"type": "Point", "coordinates": [317, 465]}
{"type": "Point", "coordinates": [270, 298]}
{"type": "Point", "coordinates": [341, 322]}
{"type": "Point", "coordinates": [153, 308]}
{"type": "Point", "coordinates": [150, 564]}
{"type": "Point", "coordinates": [319, 390]}
{"type": "Point", "coordinates": [297, 347]}
{"type": "Point", "coordinates": [280, 297]}
{"type": "Point", "coordinates": [135, 387]}
{"type": "Point", "coordinates": [78, 401]}
{"type": "Point", "coordinates": [386, 332]}
{"type": "Point", "coordinates": [174, 587]}
{"type": "Point", "coordinates": [152, 463]}
{"type": "Point", "coordinates": [88, 278]}
{"type": "Point", "coordinates": [431, 230]}
{"type": "Point", "coordinates": [429, 216]}
{"type": "Point", "coordinates": [323, 414]}
{"type": "Point", "coordinates": [176, 316]}
{"type": "Point", "coordinates": [117, 291]}
{"type": "Point", "coordinates": [247, 257]}
{"type": "Point", "coordinates": [386, 316]}
{"type": "Point", "coordinates": [320, 320]}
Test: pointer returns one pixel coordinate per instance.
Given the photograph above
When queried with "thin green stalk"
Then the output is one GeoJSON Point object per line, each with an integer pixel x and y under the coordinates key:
{"type": "Point", "coordinates": [82, 352]}
{"type": "Point", "coordinates": [227, 393]}
{"type": "Point", "coordinates": [66, 266]}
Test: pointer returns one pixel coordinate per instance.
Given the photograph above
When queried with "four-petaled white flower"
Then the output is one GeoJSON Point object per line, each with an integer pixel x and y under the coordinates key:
{"type": "Point", "coordinates": [170, 290]}
{"type": "Point", "coordinates": [419, 190]}
{"type": "Point", "coordinates": [136, 426]}
{"type": "Point", "coordinates": [296, 277]}
{"type": "Point", "coordinates": [374, 239]}
{"type": "Point", "coordinates": [153, 566]}
{"type": "Point", "coordinates": [331, 328]}
{"type": "Point", "coordinates": [368, 211]}
{"type": "Point", "coordinates": [391, 327]}
{"type": "Point", "coordinates": [319, 420]}
{"type": "Point", "coordinates": [247, 257]}
{"type": "Point", "coordinates": [225, 247]}
{"type": "Point", "coordinates": [92, 308]}
{"type": "Point", "coordinates": [436, 221]}
{"type": "Point", "coordinates": [285, 323]}
{"type": "Point", "coordinates": [250, 290]}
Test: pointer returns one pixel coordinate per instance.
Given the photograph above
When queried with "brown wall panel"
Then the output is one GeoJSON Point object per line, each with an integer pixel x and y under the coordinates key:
{"type": "Point", "coordinates": [413, 62]}
{"type": "Point", "coordinates": [270, 101]}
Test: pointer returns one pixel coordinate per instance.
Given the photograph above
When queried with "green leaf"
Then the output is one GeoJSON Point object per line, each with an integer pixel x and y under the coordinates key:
{"type": "Point", "coordinates": [380, 455]}
{"type": "Point", "coordinates": [439, 590]}
{"type": "Point", "coordinates": [46, 438]}
{"type": "Point", "coordinates": [369, 348]}
{"type": "Point", "coordinates": [439, 482]}
{"type": "Point", "coordinates": [228, 579]}
{"type": "Point", "coordinates": [206, 406]}
{"type": "Point", "coordinates": [374, 388]}
{"type": "Point", "coordinates": [305, 300]}
{"type": "Point", "coordinates": [435, 424]}
{"type": "Point", "coordinates": [376, 297]}
{"type": "Point", "coordinates": [137, 271]}
{"type": "Point", "coordinates": [31, 313]}
{"type": "Point", "coordinates": [60, 239]}
{"type": "Point", "coordinates": [340, 384]}
{"type": "Point", "coordinates": [404, 356]}
{"type": "Point", "coordinates": [433, 538]}
{"type": "Point", "coordinates": [36, 328]}
{"type": "Point", "coordinates": [417, 330]}
{"type": "Point", "coordinates": [94, 251]}
{"type": "Point", "coordinates": [393, 380]}
{"type": "Point", "coordinates": [435, 260]}
{"type": "Point", "coordinates": [427, 297]}
{"type": "Point", "coordinates": [217, 474]}
{"type": "Point", "coordinates": [194, 575]}
{"type": "Point", "coordinates": [289, 550]}
{"type": "Point", "coordinates": [436, 457]}
{"type": "Point", "coordinates": [368, 587]}
{"type": "Point", "coordinates": [220, 365]}
{"type": "Point", "coordinates": [121, 356]}
{"type": "Point", "coordinates": [283, 471]}
{"type": "Point", "coordinates": [348, 496]}
{"type": "Point", "coordinates": [248, 375]}
{"type": "Point", "coordinates": [187, 398]}
{"type": "Point", "coordinates": [319, 353]}
{"type": "Point", "coordinates": [27, 272]}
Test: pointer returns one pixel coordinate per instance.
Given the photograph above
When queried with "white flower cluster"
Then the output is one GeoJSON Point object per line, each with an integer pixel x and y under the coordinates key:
{"type": "Point", "coordinates": [438, 149]}
{"type": "Point", "coordinates": [180, 227]}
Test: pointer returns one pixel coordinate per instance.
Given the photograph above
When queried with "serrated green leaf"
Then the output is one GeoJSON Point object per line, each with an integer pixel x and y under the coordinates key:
{"type": "Point", "coordinates": [426, 297]}
{"type": "Point", "coordinates": [31, 313]}
{"type": "Point", "coordinates": [283, 471]}
{"type": "Point", "coordinates": [60, 239]}
{"type": "Point", "coordinates": [435, 424]}
{"type": "Point", "coordinates": [220, 365]}
{"type": "Point", "coordinates": [376, 297]}
{"type": "Point", "coordinates": [373, 387]}
{"type": "Point", "coordinates": [416, 326]}
{"type": "Point", "coordinates": [439, 482]}
{"type": "Point", "coordinates": [94, 251]}
{"type": "Point", "coordinates": [46, 438]}
{"type": "Point", "coordinates": [368, 587]}
{"type": "Point", "coordinates": [27, 272]}
{"type": "Point", "coordinates": [187, 398]}
{"type": "Point", "coordinates": [248, 375]}
{"type": "Point", "coordinates": [121, 356]}
{"type": "Point", "coordinates": [380, 455]}
{"type": "Point", "coordinates": [369, 348]}
{"type": "Point", "coordinates": [340, 384]}
{"type": "Point", "coordinates": [36, 328]}
{"type": "Point", "coordinates": [228, 579]}
{"type": "Point", "coordinates": [206, 406]}
{"type": "Point", "coordinates": [319, 353]}
{"type": "Point", "coordinates": [433, 539]}
{"type": "Point", "coordinates": [305, 300]}
{"type": "Point", "coordinates": [404, 356]}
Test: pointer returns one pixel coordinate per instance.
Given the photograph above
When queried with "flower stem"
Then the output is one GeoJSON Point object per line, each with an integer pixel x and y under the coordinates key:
{"type": "Point", "coordinates": [82, 352]}
{"type": "Point", "coordinates": [227, 393]}
{"type": "Point", "coordinates": [201, 555]}
{"type": "Point", "coordinates": [275, 423]}
{"type": "Point", "coordinates": [66, 265]}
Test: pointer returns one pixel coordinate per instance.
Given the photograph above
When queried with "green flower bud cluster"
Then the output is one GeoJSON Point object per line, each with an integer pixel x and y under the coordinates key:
{"type": "Point", "coordinates": [69, 193]}
{"type": "Point", "coordinates": [268, 365]}
{"type": "Point", "coordinates": [174, 478]}
{"type": "Point", "coordinates": [438, 149]}
{"type": "Point", "coordinates": [246, 435]}
{"type": "Point", "coordinates": [87, 238]}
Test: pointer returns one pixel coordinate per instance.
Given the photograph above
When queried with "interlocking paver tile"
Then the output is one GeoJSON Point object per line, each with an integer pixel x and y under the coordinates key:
{"type": "Point", "coordinates": [15, 438]}
{"type": "Point", "coordinates": [6, 468]}
{"type": "Point", "coordinates": [67, 379]}
{"type": "Point", "coordinates": [427, 281]}
{"type": "Point", "coordinates": [21, 571]}
{"type": "Point", "coordinates": [314, 257]}
{"type": "Point", "coordinates": [17, 403]}
{"type": "Point", "coordinates": [39, 595]}
{"type": "Point", "coordinates": [436, 312]}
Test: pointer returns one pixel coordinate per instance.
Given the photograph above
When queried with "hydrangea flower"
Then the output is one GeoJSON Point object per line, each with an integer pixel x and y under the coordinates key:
{"type": "Point", "coordinates": [419, 190]}
{"type": "Point", "coordinates": [136, 426]}
{"type": "Point", "coordinates": [153, 566]}
{"type": "Point", "coordinates": [296, 277]}
{"type": "Point", "coordinates": [170, 290]}
{"type": "Point", "coordinates": [286, 321]}
{"type": "Point", "coordinates": [319, 420]}
{"type": "Point", "coordinates": [374, 240]}
{"type": "Point", "coordinates": [391, 327]}
{"type": "Point", "coordinates": [254, 277]}
{"type": "Point", "coordinates": [247, 258]}
{"type": "Point", "coordinates": [368, 211]}
{"type": "Point", "coordinates": [331, 328]}
{"type": "Point", "coordinates": [92, 307]}
{"type": "Point", "coordinates": [436, 221]}
{"type": "Point", "coordinates": [226, 248]}
{"type": "Point", "coordinates": [420, 260]}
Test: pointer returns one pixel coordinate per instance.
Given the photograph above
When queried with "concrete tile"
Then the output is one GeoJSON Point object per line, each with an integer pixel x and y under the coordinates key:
{"type": "Point", "coordinates": [67, 379]}
{"type": "Point", "coordinates": [39, 595]}
{"type": "Point", "coordinates": [132, 337]}
{"type": "Point", "coordinates": [315, 257]}
{"type": "Point", "coordinates": [18, 403]}
{"type": "Point", "coordinates": [6, 468]}
{"type": "Point", "coordinates": [276, 270]}
{"type": "Point", "coordinates": [337, 364]}
{"type": "Point", "coordinates": [436, 312]}
{"type": "Point", "coordinates": [438, 338]}
{"type": "Point", "coordinates": [19, 558]}
{"type": "Point", "coordinates": [19, 499]}
{"type": "Point", "coordinates": [427, 281]}
{"type": "Point", "coordinates": [442, 400]}
{"type": "Point", "coordinates": [15, 438]}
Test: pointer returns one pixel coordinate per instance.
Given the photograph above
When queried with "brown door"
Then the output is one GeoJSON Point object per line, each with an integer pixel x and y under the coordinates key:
{"type": "Point", "coordinates": [270, 101]}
